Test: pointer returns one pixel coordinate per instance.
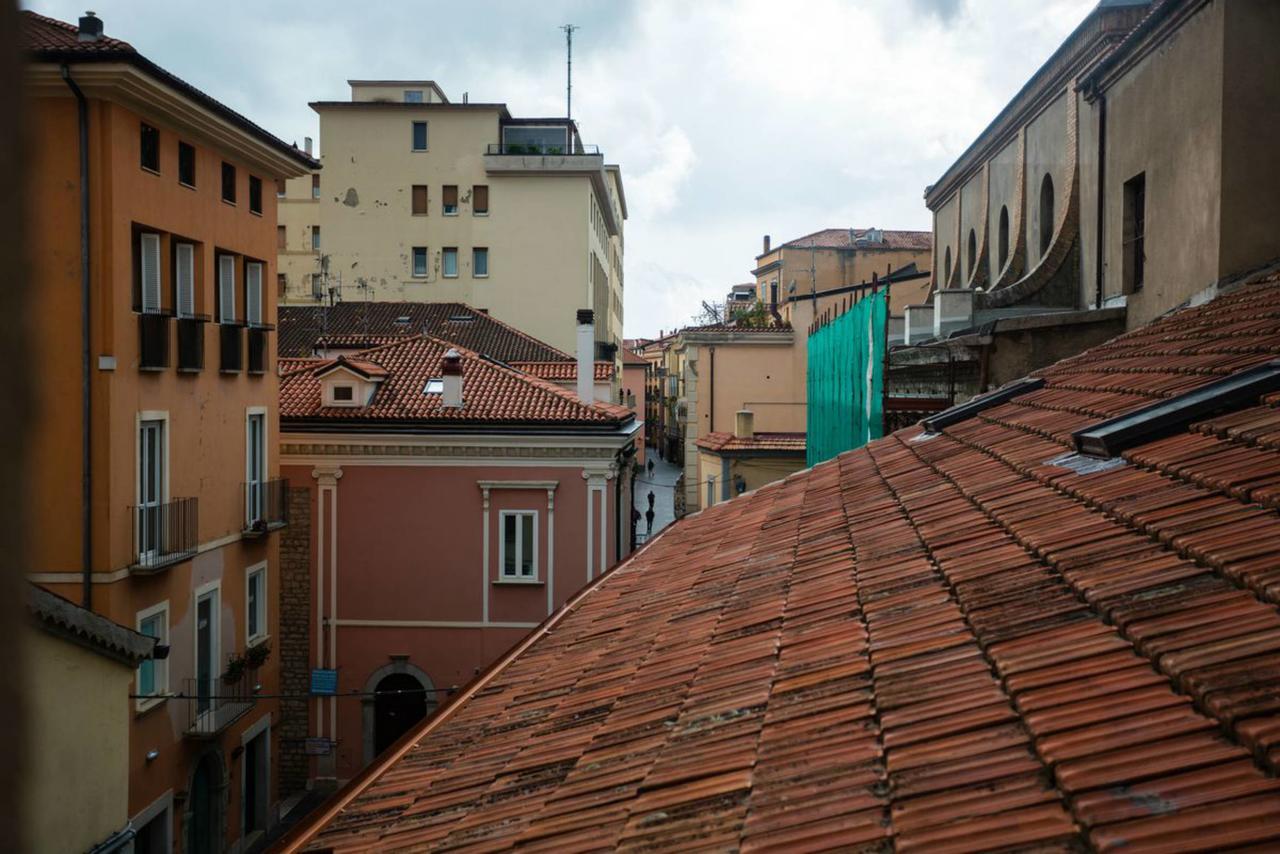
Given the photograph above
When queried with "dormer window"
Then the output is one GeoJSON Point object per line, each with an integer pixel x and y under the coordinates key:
{"type": "Point", "coordinates": [350, 382]}
{"type": "Point", "coordinates": [435, 385]}
{"type": "Point", "coordinates": [344, 394]}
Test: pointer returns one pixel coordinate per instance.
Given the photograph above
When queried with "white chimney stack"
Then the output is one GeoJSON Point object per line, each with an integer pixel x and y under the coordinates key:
{"type": "Point", "coordinates": [306, 145]}
{"type": "Point", "coordinates": [586, 355]}
{"type": "Point", "coordinates": [744, 425]}
{"type": "Point", "coordinates": [451, 374]}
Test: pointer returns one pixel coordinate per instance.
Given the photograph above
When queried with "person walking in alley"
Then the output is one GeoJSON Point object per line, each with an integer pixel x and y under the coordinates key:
{"type": "Point", "coordinates": [650, 467]}
{"type": "Point", "coordinates": [651, 501]}
{"type": "Point", "coordinates": [648, 518]}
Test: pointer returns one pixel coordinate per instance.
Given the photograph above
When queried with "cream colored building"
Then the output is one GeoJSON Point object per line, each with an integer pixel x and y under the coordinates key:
{"type": "Point", "coordinates": [299, 275]}
{"type": "Point", "coordinates": [423, 199]}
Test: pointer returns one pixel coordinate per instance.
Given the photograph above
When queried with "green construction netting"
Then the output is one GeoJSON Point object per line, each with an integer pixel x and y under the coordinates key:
{"type": "Point", "coordinates": [846, 380]}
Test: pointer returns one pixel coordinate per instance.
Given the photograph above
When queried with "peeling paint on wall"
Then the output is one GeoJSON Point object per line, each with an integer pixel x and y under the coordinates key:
{"type": "Point", "coordinates": [352, 199]}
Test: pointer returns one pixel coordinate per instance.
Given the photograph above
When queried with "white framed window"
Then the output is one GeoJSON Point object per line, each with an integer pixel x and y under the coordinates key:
{"type": "Point", "coordinates": [419, 261]}
{"type": "Point", "coordinates": [253, 293]}
{"type": "Point", "coordinates": [226, 289]}
{"type": "Point", "coordinates": [413, 96]}
{"type": "Point", "coordinates": [518, 545]}
{"type": "Point", "coordinates": [255, 604]}
{"type": "Point", "coordinates": [149, 271]}
{"type": "Point", "coordinates": [315, 237]}
{"type": "Point", "coordinates": [153, 485]}
{"type": "Point", "coordinates": [419, 136]}
{"type": "Point", "coordinates": [480, 262]}
{"type": "Point", "coordinates": [208, 643]}
{"type": "Point", "coordinates": [255, 474]}
{"type": "Point", "coordinates": [344, 394]}
{"type": "Point", "coordinates": [153, 674]}
{"type": "Point", "coordinates": [184, 279]}
{"type": "Point", "coordinates": [449, 262]}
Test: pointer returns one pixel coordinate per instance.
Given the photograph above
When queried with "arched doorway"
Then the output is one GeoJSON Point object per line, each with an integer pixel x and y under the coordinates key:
{"type": "Point", "coordinates": [397, 697]}
{"type": "Point", "coordinates": [204, 815]}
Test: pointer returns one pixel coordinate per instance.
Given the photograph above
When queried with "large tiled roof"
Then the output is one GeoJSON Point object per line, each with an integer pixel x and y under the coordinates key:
{"type": "Point", "coordinates": [729, 443]}
{"type": "Point", "coordinates": [46, 39]}
{"type": "Point", "coordinates": [849, 238]}
{"type": "Point", "coordinates": [80, 625]}
{"type": "Point", "coordinates": [564, 370]}
{"type": "Point", "coordinates": [491, 393]}
{"type": "Point", "coordinates": [934, 645]}
{"type": "Point", "coordinates": [369, 324]}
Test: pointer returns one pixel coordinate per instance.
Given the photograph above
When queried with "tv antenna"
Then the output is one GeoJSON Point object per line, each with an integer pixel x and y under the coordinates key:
{"type": "Point", "coordinates": [568, 89]}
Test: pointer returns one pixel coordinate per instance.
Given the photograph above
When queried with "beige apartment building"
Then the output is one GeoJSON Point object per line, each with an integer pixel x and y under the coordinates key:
{"type": "Point", "coordinates": [299, 276]}
{"type": "Point", "coordinates": [426, 200]}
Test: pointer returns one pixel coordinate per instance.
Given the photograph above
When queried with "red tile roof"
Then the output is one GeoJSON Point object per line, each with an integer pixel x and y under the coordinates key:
{"type": "Point", "coordinates": [304, 328]}
{"type": "Point", "coordinates": [926, 644]}
{"type": "Point", "coordinates": [563, 370]}
{"type": "Point", "coordinates": [729, 443]}
{"type": "Point", "coordinates": [46, 39]}
{"type": "Point", "coordinates": [631, 358]}
{"type": "Point", "coordinates": [848, 238]}
{"type": "Point", "coordinates": [731, 326]}
{"type": "Point", "coordinates": [492, 393]}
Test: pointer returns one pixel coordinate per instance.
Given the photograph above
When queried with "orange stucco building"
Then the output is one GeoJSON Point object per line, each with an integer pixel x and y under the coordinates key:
{"type": "Point", "coordinates": [153, 240]}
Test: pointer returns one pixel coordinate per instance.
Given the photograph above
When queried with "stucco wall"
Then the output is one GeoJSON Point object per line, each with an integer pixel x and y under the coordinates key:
{"type": "Point", "coordinates": [75, 786]}
{"type": "Point", "coordinates": [1003, 194]}
{"type": "Point", "coordinates": [972, 220]}
{"type": "Point", "coordinates": [945, 220]}
{"type": "Point", "coordinates": [1047, 154]}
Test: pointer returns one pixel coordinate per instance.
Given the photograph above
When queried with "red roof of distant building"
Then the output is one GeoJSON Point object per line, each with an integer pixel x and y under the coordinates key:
{"type": "Point", "coordinates": [927, 644]}
{"type": "Point", "coordinates": [563, 370]}
{"type": "Point", "coordinates": [630, 358]}
{"type": "Point", "coordinates": [856, 238]}
{"type": "Point", "coordinates": [729, 443]}
{"type": "Point", "coordinates": [492, 393]}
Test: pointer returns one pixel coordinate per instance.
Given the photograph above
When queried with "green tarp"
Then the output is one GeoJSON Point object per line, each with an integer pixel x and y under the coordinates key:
{"type": "Point", "coordinates": [846, 380]}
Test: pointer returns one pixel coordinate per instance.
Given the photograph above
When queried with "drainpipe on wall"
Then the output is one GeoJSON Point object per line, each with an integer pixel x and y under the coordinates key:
{"type": "Point", "coordinates": [1102, 196]}
{"type": "Point", "coordinates": [86, 456]}
{"type": "Point", "coordinates": [711, 392]}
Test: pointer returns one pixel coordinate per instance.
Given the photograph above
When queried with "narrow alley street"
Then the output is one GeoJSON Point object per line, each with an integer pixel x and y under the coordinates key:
{"type": "Point", "coordinates": [663, 485]}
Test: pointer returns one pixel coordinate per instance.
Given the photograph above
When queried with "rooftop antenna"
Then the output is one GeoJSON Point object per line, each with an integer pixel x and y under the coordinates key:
{"type": "Point", "coordinates": [568, 89]}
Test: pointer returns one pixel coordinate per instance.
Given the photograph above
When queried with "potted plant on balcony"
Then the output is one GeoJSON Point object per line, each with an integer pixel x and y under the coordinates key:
{"type": "Point", "coordinates": [257, 655]}
{"type": "Point", "coordinates": [235, 670]}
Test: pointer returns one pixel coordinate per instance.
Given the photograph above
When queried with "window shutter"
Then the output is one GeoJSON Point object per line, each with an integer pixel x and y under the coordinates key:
{"type": "Point", "coordinates": [419, 199]}
{"type": "Point", "coordinates": [186, 280]}
{"type": "Point", "coordinates": [150, 264]}
{"type": "Point", "coordinates": [226, 289]}
{"type": "Point", "coordinates": [253, 293]}
{"type": "Point", "coordinates": [480, 198]}
{"type": "Point", "coordinates": [451, 196]}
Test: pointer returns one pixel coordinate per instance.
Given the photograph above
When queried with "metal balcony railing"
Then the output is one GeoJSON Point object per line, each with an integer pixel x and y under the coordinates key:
{"type": "Point", "coordinates": [258, 349]}
{"type": "Point", "coordinates": [214, 703]}
{"type": "Point", "coordinates": [266, 505]}
{"type": "Point", "coordinates": [191, 343]}
{"type": "Point", "coordinates": [164, 534]}
{"type": "Point", "coordinates": [153, 341]}
{"type": "Point", "coordinates": [542, 150]}
{"type": "Point", "coordinates": [231, 341]}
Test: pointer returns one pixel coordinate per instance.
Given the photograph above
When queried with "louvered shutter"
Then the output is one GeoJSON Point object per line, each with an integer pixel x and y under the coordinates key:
{"type": "Point", "coordinates": [186, 280]}
{"type": "Point", "coordinates": [150, 264]}
{"type": "Point", "coordinates": [253, 293]}
{"type": "Point", "coordinates": [226, 289]}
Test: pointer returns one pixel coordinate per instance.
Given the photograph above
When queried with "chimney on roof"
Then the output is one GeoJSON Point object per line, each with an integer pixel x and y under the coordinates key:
{"type": "Point", "coordinates": [744, 424]}
{"type": "Point", "coordinates": [586, 355]}
{"type": "Point", "coordinates": [766, 245]}
{"type": "Point", "coordinates": [451, 374]}
{"type": "Point", "coordinates": [306, 145]}
{"type": "Point", "coordinates": [90, 28]}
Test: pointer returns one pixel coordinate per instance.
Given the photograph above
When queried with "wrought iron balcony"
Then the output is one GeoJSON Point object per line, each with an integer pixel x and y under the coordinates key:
{"type": "Point", "coordinates": [266, 505]}
{"type": "Point", "coordinates": [164, 534]}
{"type": "Point", "coordinates": [231, 341]}
{"type": "Point", "coordinates": [153, 341]}
{"type": "Point", "coordinates": [215, 703]}
{"type": "Point", "coordinates": [258, 349]}
{"type": "Point", "coordinates": [543, 150]}
{"type": "Point", "coordinates": [191, 343]}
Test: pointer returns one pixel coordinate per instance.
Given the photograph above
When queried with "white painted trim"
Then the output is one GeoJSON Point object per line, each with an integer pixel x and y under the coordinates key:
{"type": "Point", "coordinates": [467, 440]}
{"type": "Point", "coordinates": [264, 628]}
{"type": "Point", "coordinates": [518, 484]}
{"type": "Point", "coordinates": [158, 665]}
{"type": "Point", "coordinates": [431, 624]}
{"type": "Point", "coordinates": [249, 413]}
{"type": "Point", "coordinates": [502, 517]}
{"type": "Point", "coordinates": [146, 416]}
{"type": "Point", "coordinates": [122, 574]}
{"type": "Point", "coordinates": [160, 805]}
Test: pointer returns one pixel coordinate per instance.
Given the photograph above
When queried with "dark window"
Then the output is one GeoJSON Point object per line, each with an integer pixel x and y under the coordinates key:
{"type": "Point", "coordinates": [187, 164]}
{"type": "Point", "coordinates": [973, 251]}
{"type": "Point", "coordinates": [255, 194]}
{"type": "Point", "coordinates": [150, 148]}
{"type": "Point", "coordinates": [1135, 232]}
{"type": "Point", "coordinates": [946, 269]}
{"type": "Point", "coordinates": [1004, 236]}
{"type": "Point", "coordinates": [419, 260]}
{"type": "Point", "coordinates": [1046, 214]}
{"type": "Point", "coordinates": [419, 199]}
{"type": "Point", "coordinates": [282, 241]}
{"type": "Point", "coordinates": [343, 393]}
{"type": "Point", "coordinates": [315, 237]}
{"type": "Point", "coordinates": [450, 199]}
{"type": "Point", "coordinates": [315, 186]}
{"type": "Point", "coordinates": [480, 199]}
{"type": "Point", "coordinates": [228, 183]}
{"type": "Point", "coordinates": [282, 284]}
{"type": "Point", "coordinates": [419, 136]}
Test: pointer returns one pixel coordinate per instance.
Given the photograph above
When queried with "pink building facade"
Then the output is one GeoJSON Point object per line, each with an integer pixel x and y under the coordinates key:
{"type": "Point", "coordinates": [449, 514]}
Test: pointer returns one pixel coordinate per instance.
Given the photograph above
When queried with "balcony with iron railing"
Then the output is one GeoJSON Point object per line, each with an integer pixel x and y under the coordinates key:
{"type": "Point", "coordinates": [231, 347]}
{"type": "Point", "coordinates": [266, 506]}
{"type": "Point", "coordinates": [164, 534]}
{"type": "Point", "coordinates": [258, 349]}
{"type": "Point", "coordinates": [191, 343]}
{"type": "Point", "coordinates": [153, 340]}
{"type": "Point", "coordinates": [215, 703]}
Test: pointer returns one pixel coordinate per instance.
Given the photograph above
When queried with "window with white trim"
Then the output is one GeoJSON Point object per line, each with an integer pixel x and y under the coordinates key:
{"type": "Point", "coordinates": [253, 293]}
{"type": "Point", "coordinates": [153, 674]}
{"type": "Point", "coordinates": [226, 289]}
{"type": "Point", "coordinates": [518, 545]}
{"type": "Point", "coordinates": [255, 605]}
{"type": "Point", "coordinates": [449, 262]}
{"type": "Point", "coordinates": [149, 271]}
{"type": "Point", "coordinates": [255, 466]}
{"type": "Point", "coordinates": [184, 279]}
{"type": "Point", "coordinates": [151, 489]}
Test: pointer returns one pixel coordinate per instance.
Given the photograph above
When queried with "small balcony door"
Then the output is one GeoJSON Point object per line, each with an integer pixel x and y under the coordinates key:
{"type": "Point", "coordinates": [207, 641]}
{"type": "Point", "coordinates": [150, 489]}
{"type": "Point", "coordinates": [255, 472]}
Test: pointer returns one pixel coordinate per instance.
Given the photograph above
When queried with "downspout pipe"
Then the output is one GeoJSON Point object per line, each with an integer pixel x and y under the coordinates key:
{"type": "Point", "coordinates": [1100, 237]}
{"type": "Point", "coordinates": [86, 456]}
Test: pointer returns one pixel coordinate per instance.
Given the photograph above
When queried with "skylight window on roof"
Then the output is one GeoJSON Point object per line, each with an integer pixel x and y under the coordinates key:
{"type": "Point", "coordinates": [967, 410]}
{"type": "Point", "coordinates": [435, 385]}
{"type": "Point", "coordinates": [403, 319]}
{"type": "Point", "coordinates": [461, 318]}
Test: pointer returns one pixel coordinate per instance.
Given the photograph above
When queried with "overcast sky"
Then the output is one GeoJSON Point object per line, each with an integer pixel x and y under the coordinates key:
{"type": "Point", "coordinates": [730, 120]}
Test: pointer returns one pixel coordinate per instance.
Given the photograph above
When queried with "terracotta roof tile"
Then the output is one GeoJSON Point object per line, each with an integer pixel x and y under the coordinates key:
{"type": "Point", "coordinates": [563, 370]}
{"type": "Point", "coordinates": [846, 238]}
{"type": "Point", "coordinates": [492, 393]}
{"type": "Point", "coordinates": [918, 644]}
{"type": "Point", "coordinates": [729, 443]}
{"type": "Point", "coordinates": [351, 325]}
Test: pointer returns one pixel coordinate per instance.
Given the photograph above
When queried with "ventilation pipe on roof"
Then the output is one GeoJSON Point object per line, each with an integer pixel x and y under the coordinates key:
{"type": "Point", "coordinates": [307, 145]}
{"type": "Point", "coordinates": [451, 375]}
{"type": "Point", "coordinates": [90, 28]}
{"type": "Point", "coordinates": [744, 426]}
{"type": "Point", "coordinates": [586, 354]}
{"type": "Point", "coordinates": [766, 245]}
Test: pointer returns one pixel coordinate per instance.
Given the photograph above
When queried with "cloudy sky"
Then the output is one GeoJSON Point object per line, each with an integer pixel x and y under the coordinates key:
{"type": "Point", "coordinates": [730, 120]}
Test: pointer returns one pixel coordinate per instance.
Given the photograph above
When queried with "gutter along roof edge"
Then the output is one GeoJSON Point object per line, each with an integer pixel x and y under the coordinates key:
{"type": "Point", "coordinates": [305, 831]}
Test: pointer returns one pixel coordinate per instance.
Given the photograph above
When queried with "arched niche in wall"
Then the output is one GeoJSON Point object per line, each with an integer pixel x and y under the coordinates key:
{"type": "Point", "coordinates": [1003, 238]}
{"type": "Point", "coordinates": [1046, 213]}
{"type": "Point", "coordinates": [973, 251]}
